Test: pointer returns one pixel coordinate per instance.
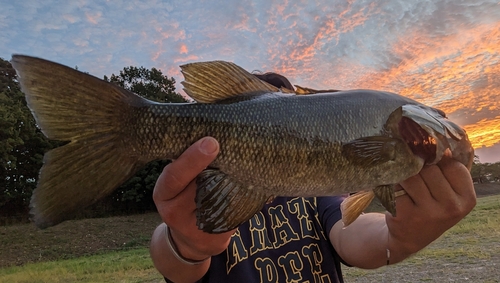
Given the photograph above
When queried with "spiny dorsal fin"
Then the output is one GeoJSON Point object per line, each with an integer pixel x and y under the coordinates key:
{"type": "Point", "coordinates": [208, 82]}
{"type": "Point", "coordinates": [299, 90]}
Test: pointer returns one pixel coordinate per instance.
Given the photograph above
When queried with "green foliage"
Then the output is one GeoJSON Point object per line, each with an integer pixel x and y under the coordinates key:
{"type": "Point", "coordinates": [136, 193]}
{"type": "Point", "coordinates": [152, 84]}
{"type": "Point", "coordinates": [10, 113]}
{"type": "Point", "coordinates": [22, 144]}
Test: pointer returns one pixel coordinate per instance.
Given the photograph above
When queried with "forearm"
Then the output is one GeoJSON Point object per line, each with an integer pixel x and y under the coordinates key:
{"type": "Point", "coordinates": [366, 242]}
{"type": "Point", "coordinates": [436, 199]}
{"type": "Point", "coordinates": [168, 265]}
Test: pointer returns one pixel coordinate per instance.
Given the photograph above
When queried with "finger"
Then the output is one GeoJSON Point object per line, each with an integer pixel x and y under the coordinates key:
{"type": "Point", "coordinates": [399, 192]}
{"type": "Point", "coordinates": [178, 174]}
{"type": "Point", "coordinates": [180, 210]}
{"type": "Point", "coordinates": [404, 202]}
{"type": "Point", "coordinates": [436, 183]}
{"type": "Point", "coordinates": [416, 189]}
{"type": "Point", "coordinates": [458, 177]}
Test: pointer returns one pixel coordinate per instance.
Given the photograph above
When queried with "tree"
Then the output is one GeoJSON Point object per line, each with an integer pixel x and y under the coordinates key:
{"type": "Point", "coordinates": [136, 193]}
{"type": "Point", "coordinates": [10, 111]}
{"type": "Point", "coordinates": [485, 172]}
{"type": "Point", "coordinates": [477, 170]}
{"type": "Point", "coordinates": [22, 144]}
{"type": "Point", "coordinates": [151, 84]}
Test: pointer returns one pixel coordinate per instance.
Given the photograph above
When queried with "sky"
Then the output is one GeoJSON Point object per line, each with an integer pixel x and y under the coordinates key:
{"type": "Point", "coordinates": [443, 53]}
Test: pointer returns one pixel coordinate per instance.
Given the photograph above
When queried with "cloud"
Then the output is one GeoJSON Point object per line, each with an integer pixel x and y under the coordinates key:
{"type": "Point", "coordinates": [442, 52]}
{"type": "Point", "coordinates": [183, 49]}
{"type": "Point", "coordinates": [93, 18]}
{"type": "Point", "coordinates": [485, 132]}
{"type": "Point", "coordinates": [454, 73]}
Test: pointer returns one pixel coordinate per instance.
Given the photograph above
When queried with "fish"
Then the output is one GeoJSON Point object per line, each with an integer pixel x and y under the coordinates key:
{"type": "Point", "coordinates": [272, 143]}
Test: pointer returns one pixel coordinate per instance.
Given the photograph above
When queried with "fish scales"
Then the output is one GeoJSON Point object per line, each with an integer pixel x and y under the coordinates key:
{"type": "Point", "coordinates": [273, 142]}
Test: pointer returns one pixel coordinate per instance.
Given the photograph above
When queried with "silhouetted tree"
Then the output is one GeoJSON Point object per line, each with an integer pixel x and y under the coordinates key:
{"type": "Point", "coordinates": [151, 84]}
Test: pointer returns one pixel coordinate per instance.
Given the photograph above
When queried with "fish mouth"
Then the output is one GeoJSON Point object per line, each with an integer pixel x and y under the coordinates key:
{"type": "Point", "coordinates": [429, 134]}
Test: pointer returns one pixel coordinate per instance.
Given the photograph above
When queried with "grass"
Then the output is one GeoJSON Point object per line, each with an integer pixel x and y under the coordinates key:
{"type": "Point", "coordinates": [24, 243]}
{"type": "Point", "coordinates": [120, 266]}
{"type": "Point", "coordinates": [469, 249]}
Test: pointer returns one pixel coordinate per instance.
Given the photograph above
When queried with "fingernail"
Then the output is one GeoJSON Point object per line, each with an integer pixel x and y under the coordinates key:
{"type": "Point", "coordinates": [209, 146]}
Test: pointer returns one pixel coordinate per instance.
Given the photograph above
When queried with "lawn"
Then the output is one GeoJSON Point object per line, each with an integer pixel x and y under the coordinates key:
{"type": "Point", "coordinates": [115, 250]}
{"type": "Point", "coordinates": [117, 266]}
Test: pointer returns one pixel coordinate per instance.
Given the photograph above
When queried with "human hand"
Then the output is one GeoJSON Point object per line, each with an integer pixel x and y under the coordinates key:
{"type": "Point", "coordinates": [437, 198]}
{"type": "Point", "coordinates": [174, 195]}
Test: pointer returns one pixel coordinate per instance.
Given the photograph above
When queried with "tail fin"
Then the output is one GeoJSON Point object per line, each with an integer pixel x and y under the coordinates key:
{"type": "Point", "coordinates": [92, 115]}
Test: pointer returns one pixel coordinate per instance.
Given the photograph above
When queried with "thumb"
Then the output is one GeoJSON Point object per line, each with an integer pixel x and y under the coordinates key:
{"type": "Point", "coordinates": [178, 174]}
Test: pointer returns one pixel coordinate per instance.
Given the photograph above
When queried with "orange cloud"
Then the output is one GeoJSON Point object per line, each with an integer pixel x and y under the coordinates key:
{"type": "Point", "coordinates": [93, 18]}
{"type": "Point", "coordinates": [303, 48]}
{"type": "Point", "coordinates": [485, 132]}
{"type": "Point", "coordinates": [163, 34]}
{"type": "Point", "coordinates": [458, 73]}
{"type": "Point", "coordinates": [183, 49]}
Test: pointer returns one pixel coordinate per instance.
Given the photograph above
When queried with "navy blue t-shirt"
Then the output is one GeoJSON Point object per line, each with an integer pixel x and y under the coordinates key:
{"type": "Point", "coordinates": [287, 241]}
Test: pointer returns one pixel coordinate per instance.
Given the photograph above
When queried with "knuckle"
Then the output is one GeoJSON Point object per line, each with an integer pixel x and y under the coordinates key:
{"type": "Point", "coordinates": [459, 209]}
{"type": "Point", "coordinates": [173, 182]}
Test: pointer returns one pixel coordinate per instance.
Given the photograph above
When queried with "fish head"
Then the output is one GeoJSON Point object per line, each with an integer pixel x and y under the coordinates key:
{"type": "Point", "coordinates": [429, 134]}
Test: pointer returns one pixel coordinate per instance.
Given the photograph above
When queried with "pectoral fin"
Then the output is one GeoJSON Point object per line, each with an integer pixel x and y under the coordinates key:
{"type": "Point", "coordinates": [354, 205]}
{"type": "Point", "coordinates": [386, 196]}
{"type": "Point", "coordinates": [223, 204]}
{"type": "Point", "coordinates": [370, 151]}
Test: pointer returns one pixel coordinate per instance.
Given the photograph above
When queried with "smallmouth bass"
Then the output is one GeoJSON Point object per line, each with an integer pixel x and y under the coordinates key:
{"type": "Point", "coordinates": [272, 143]}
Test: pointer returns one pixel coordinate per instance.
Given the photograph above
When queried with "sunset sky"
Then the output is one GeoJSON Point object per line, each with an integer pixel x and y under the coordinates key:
{"type": "Point", "coordinates": [444, 53]}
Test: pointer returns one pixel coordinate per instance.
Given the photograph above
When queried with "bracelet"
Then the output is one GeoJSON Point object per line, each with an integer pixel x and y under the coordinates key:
{"type": "Point", "coordinates": [175, 250]}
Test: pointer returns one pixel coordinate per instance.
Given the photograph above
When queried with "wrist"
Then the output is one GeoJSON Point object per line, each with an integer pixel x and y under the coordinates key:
{"type": "Point", "coordinates": [190, 259]}
{"type": "Point", "coordinates": [398, 250]}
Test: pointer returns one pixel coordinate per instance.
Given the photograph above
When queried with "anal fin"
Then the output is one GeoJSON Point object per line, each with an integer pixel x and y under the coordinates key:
{"type": "Point", "coordinates": [223, 204]}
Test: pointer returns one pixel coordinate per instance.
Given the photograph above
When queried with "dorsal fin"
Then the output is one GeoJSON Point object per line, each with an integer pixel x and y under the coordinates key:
{"type": "Point", "coordinates": [299, 90]}
{"type": "Point", "coordinates": [208, 82]}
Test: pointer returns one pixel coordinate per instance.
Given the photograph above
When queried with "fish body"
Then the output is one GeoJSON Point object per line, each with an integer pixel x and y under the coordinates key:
{"type": "Point", "coordinates": [285, 145]}
{"type": "Point", "coordinates": [271, 143]}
